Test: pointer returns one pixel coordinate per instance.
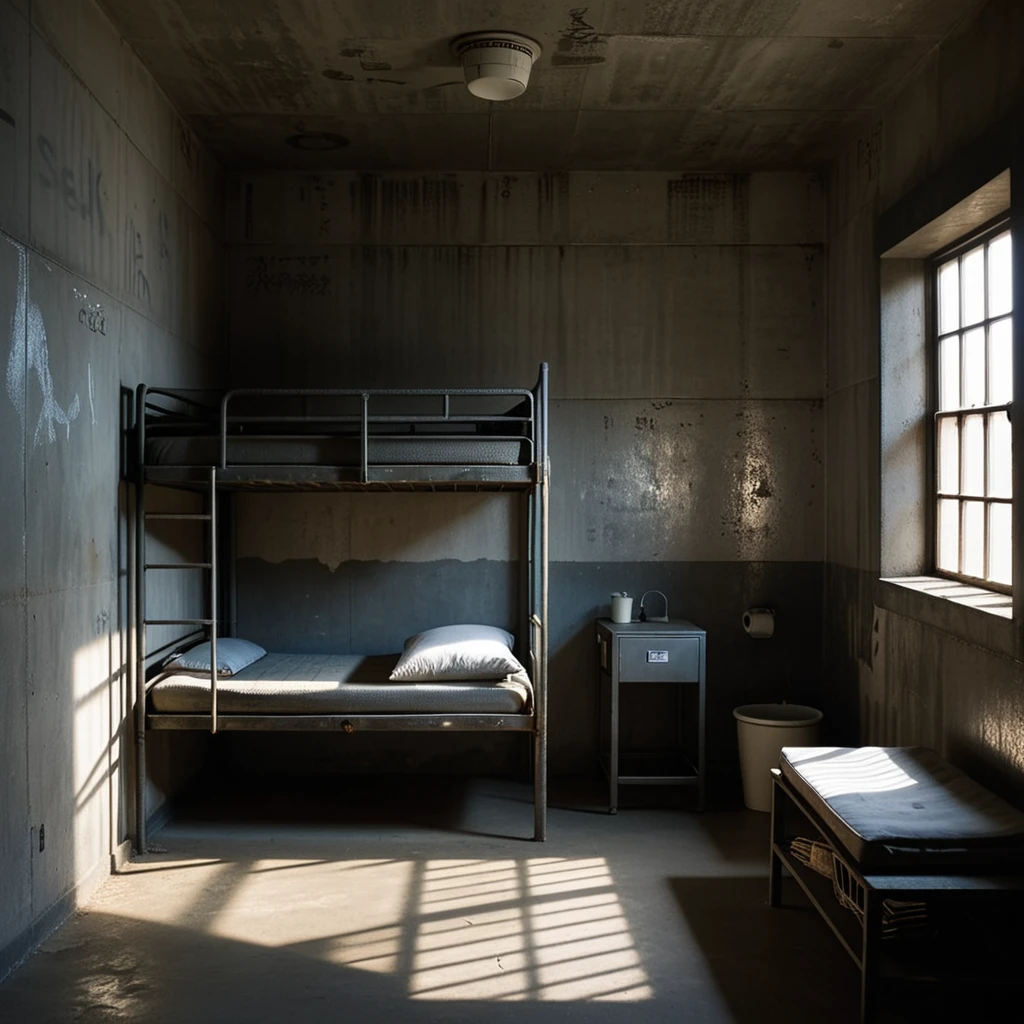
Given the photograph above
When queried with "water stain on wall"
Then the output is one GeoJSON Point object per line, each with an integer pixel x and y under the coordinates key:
{"type": "Point", "coordinates": [704, 207]}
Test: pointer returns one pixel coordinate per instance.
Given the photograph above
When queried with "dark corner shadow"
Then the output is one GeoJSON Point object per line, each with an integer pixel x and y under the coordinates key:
{"type": "Point", "coordinates": [778, 966]}
{"type": "Point", "coordinates": [443, 803]}
{"type": "Point", "coordinates": [990, 767]}
{"type": "Point", "coordinates": [784, 966]}
{"type": "Point", "coordinates": [737, 831]}
{"type": "Point", "coordinates": [587, 794]}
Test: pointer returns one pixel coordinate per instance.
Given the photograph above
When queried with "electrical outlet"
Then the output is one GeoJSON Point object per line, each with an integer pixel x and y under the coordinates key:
{"type": "Point", "coordinates": [42, 838]}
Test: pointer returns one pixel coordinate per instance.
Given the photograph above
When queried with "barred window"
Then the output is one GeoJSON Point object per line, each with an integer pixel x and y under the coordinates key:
{"type": "Point", "coordinates": [973, 455]}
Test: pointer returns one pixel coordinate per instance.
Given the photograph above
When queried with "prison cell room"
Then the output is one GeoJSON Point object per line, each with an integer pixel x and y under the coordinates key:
{"type": "Point", "coordinates": [511, 508]}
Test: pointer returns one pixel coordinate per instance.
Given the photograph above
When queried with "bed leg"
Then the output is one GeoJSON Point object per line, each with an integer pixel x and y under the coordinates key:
{"type": "Point", "coordinates": [778, 835]}
{"type": "Point", "coordinates": [540, 787]}
{"type": "Point", "coordinates": [870, 950]}
{"type": "Point", "coordinates": [139, 630]}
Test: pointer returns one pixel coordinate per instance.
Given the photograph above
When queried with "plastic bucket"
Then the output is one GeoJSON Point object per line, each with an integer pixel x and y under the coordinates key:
{"type": "Point", "coordinates": [763, 730]}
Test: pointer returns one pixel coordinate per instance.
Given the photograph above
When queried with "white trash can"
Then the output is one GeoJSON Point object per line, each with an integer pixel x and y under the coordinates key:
{"type": "Point", "coordinates": [763, 730]}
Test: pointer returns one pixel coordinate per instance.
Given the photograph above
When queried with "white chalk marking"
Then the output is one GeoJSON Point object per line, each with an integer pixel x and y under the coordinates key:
{"type": "Point", "coordinates": [28, 316]}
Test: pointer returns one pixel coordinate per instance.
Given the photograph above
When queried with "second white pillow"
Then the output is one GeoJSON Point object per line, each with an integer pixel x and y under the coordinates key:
{"type": "Point", "coordinates": [462, 652]}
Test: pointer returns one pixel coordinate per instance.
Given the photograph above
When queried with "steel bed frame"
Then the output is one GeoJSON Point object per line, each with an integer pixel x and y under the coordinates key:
{"type": "Point", "coordinates": [159, 411]}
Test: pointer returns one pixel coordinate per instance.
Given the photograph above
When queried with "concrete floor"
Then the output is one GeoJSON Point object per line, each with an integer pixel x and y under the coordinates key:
{"type": "Point", "coordinates": [404, 900]}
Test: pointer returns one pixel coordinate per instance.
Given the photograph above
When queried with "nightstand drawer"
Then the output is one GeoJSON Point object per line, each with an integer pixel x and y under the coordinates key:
{"type": "Point", "coordinates": [659, 659]}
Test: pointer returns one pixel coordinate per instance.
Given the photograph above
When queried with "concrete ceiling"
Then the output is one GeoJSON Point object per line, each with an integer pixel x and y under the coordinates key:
{"type": "Point", "coordinates": [622, 84]}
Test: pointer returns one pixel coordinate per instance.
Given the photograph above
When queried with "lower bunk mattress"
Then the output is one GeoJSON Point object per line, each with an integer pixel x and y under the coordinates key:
{"type": "Point", "coordinates": [893, 807]}
{"type": "Point", "coordinates": [337, 451]}
{"type": "Point", "coordinates": [334, 684]}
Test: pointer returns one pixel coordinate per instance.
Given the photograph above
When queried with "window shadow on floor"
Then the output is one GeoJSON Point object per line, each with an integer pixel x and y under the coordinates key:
{"type": "Point", "coordinates": [110, 969]}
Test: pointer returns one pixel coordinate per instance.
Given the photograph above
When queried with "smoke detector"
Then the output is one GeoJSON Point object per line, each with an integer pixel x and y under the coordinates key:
{"type": "Point", "coordinates": [496, 64]}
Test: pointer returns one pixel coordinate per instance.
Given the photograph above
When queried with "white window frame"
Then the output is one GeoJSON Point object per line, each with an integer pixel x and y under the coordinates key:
{"type": "Point", "coordinates": [957, 251]}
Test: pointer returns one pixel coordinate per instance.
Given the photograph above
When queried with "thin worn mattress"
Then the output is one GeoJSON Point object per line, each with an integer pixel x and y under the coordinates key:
{"type": "Point", "coordinates": [903, 806]}
{"type": "Point", "coordinates": [336, 451]}
{"type": "Point", "coordinates": [334, 684]}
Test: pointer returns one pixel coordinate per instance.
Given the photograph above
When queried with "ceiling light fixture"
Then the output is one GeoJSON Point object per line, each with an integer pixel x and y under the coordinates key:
{"type": "Point", "coordinates": [496, 64]}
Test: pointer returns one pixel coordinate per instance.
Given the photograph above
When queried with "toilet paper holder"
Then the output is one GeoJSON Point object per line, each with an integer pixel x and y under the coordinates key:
{"type": "Point", "coordinates": [759, 623]}
{"type": "Point", "coordinates": [644, 617]}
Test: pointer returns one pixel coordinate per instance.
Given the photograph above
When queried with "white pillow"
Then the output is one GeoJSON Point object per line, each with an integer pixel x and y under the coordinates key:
{"type": "Point", "coordinates": [232, 656]}
{"type": "Point", "coordinates": [457, 653]}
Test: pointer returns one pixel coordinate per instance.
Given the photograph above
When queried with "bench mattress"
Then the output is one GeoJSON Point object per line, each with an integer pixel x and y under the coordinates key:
{"type": "Point", "coordinates": [902, 805]}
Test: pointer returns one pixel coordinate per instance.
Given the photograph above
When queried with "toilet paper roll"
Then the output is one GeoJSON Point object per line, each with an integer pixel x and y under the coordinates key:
{"type": "Point", "coordinates": [759, 622]}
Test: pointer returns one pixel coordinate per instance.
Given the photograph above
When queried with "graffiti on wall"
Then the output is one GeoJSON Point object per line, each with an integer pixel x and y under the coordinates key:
{"type": "Point", "coordinates": [288, 275]}
{"type": "Point", "coordinates": [32, 357]}
{"type": "Point", "coordinates": [81, 192]}
{"type": "Point", "coordinates": [91, 315]}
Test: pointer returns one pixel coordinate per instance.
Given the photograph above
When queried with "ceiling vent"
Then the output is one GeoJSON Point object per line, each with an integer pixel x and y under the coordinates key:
{"type": "Point", "coordinates": [496, 64]}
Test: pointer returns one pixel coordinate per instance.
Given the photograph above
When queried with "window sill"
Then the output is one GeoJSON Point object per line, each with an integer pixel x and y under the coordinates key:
{"type": "Point", "coordinates": [978, 616]}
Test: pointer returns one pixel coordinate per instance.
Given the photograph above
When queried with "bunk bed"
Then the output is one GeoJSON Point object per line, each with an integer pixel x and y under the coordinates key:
{"type": "Point", "coordinates": [460, 439]}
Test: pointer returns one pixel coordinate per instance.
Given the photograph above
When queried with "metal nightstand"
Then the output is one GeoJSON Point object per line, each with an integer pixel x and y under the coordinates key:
{"type": "Point", "coordinates": [651, 652]}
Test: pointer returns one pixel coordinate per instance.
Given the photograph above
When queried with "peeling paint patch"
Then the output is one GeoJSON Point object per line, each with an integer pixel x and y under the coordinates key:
{"type": "Point", "coordinates": [338, 528]}
{"type": "Point", "coordinates": [316, 142]}
{"type": "Point", "coordinates": [580, 45]}
{"type": "Point", "coordinates": [337, 75]}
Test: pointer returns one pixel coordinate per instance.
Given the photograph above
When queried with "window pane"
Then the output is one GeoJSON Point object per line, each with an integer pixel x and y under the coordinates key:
{"type": "Point", "coordinates": [1000, 279]}
{"type": "Point", "coordinates": [949, 297]}
{"type": "Point", "coordinates": [974, 539]}
{"type": "Point", "coordinates": [1000, 362]}
{"type": "Point", "coordinates": [973, 468]}
{"type": "Point", "coordinates": [974, 368]}
{"type": "Point", "coordinates": [974, 286]}
{"type": "Point", "coordinates": [1000, 569]}
{"type": "Point", "coordinates": [948, 554]}
{"type": "Point", "coordinates": [949, 455]}
{"type": "Point", "coordinates": [1000, 459]}
{"type": "Point", "coordinates": [949, 373]}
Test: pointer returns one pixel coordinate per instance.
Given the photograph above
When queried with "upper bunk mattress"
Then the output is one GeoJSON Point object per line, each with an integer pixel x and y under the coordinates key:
{"type": "Point", "coordinates": [903, 806]}
{"type": "Point", "coordinates": [336, 451]}
{"type": "Point", "coordinates": [334, 684]}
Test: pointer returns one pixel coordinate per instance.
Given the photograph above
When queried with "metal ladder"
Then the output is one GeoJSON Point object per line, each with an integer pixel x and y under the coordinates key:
{"type": "Point", "coordinates": [143, 566]}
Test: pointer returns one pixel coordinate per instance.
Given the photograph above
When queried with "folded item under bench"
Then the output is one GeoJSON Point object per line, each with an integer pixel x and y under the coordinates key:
{"type": "Point", "coordinates": [335, 684]}
{"type": "Point", "coordinates": [892, 806]}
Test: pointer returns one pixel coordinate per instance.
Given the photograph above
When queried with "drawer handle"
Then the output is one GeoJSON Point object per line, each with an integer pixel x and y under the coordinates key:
{"type": "Point", "coordinates": [657, 657]}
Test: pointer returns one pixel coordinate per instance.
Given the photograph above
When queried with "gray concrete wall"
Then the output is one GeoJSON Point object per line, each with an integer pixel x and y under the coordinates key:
{"type": "Point", "coordinates": [110, 265]}
{"type": "Point", "coordinates": [902, 667]}
{"type": "Point", "coordinates": [683, 318]}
